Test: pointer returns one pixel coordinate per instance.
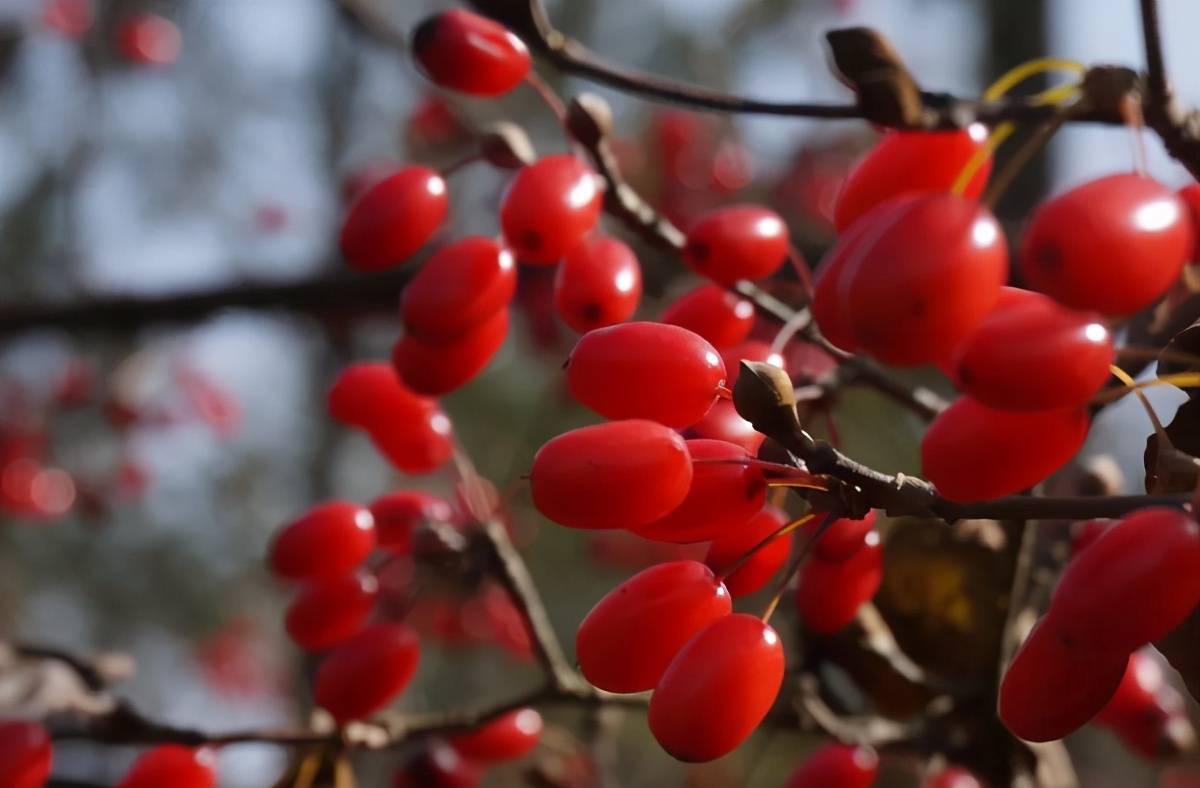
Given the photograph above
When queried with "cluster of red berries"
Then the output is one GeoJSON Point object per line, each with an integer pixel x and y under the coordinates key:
{"type": "Point", "coordinates": [142, 38]}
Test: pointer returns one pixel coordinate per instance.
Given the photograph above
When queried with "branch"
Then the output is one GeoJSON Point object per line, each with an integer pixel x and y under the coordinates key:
{"type": "Point", "coordinates": [1158, 92]}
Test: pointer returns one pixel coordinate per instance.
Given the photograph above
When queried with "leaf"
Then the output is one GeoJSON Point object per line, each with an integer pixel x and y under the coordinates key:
{"type": "Point", "coordinates": [1176, 469]}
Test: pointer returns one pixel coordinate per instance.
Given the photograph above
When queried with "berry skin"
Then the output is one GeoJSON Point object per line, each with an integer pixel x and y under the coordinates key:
{"type": "Point", "coordinates": [549, 207]}
{"type": "Point", "coordinates": [616, 475]}
{"type": "Point", "coordinates": [434, 370]}
{"type": "Point", "coordinates": [1086, 532]}
{"type": "Point", "coordinates": [1145, 712]}
{"type": "Point", "coordinates": [25, 754]}
{"type": "Point", "coordinates": [726, 492]}
{"type": "Point", "coordinates": [327, 611]}
{"type": "Point", "coordinates": [831, 592]}
{"type": "Point", "coordinates": [1112, 245]}
{"type": "Point", "coordinates": [953, 777]}
{"type": "Point", "coordinates": [1190, 195]}
{"type": "Point", "coordinates": [659, 609]}
{"type": "Point", "coordinates": [836, 766]}
{"type": "Point", "coordinates": [843, 537]}
{"type": "Point", "coordinates": [440, 766]}
{"type": "Point", "coordinates": [393, 219]}
{"type": "Point", "coordinates": [398, 514]}
{"type": "Point", "coordinates": [972, 452]}
{"type": "Point", "coordinates": [173, 765]}
{"type": "Point", "coordinates": [457, 290]}
{"type": "Point", "coordinates": [366, 672]}
{"type": "Point", "coordinates": [1030, 353]}
{"type": "Point", "coordinates": [756, 571]}
{"type": "Point", "coordinates": [508, 737]}
{"type": "Point", "coordinates": [904, 162]}
{"type": "Point", "coordinates": [646, 371]}
{"type": "Point", "coordinates": [718, 688]}
{"type": "Point", "coordinates": [328, 540]}
{"type": "Point", "coordinates": [598, 283]}
{"type": "Point", "coordinates": [737, 242]}
{"type": "Point", "coordinates": [149, 40]}
{"type": "Point", "coordinates": [724, 423]}
{"type": "Point", "coordinates": [721, 317]}
{"type": "Point", "coordinates": [470, 53]}
{"type": "Point", "coordinates": [750, 350]}
{"type": "Point", "coordinates": [918, 287]}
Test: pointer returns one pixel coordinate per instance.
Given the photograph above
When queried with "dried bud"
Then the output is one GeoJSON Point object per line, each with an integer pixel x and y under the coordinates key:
{"type": "Point", "coordinates": [763, 396]}
{"type": "Point", "coordinates": [506, 145]}
{"type": "Point", "coordinates": [589, 118]}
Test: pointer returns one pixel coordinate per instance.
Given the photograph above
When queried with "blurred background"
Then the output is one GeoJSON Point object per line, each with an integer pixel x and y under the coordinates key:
{"type": "Point", "coordinates": [148, 452]}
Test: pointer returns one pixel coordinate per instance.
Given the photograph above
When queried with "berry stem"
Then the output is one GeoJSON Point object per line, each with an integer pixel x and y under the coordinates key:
{"type": "Point", "coordinates": [781, 531]}
{"type": "Point", "coordinates": [794, 567]}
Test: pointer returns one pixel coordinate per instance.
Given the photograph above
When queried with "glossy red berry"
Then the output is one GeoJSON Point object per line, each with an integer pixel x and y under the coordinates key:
{"type": "Point", "coordinates": [457, 290]}
{"type": "Point", "coordinates": [737, 242]}
{"type": "Point", "coordinates": [646, 371]}
{"type": "Point", "coordinates": [434, 370]}
{"type": "Point", "coordinates": [718, 688]}
{"type": "Point", "coordinates": [505, 738]}
{"type": "Point", "coordinates": [393, 219]}
{"type": "Point", "coordinates": [972, 452]}
{"type": "Point", "coordinates": [1190, 195]}
{"type": "Point", "coordinates": [439, 766]}
{"type": "Point", "coordinates": [327, 611]}
{"type": "Point", "coordinates": [904, 162]}
{"type": "Point", "coordinates": [756, 571]}
{"type": "Point", "coordinates": [398, 514]}
{"type": "Point", "coordinates": [727, 490]}
{"type": "Point", "coordinates": [721, 317]}
{"type": "Point", "coordinates": [1112, 245]}
{"type": "Point", "coordinates": [173, 765]}
{"type": "Point", "coordinates": [364, 673]}
{"type": "Point", "coordinates": [659, 609]}
{"type": "Point", "coordinates": [467, 52]}
{"type": "Point", "coordinates": [1085, 532]}
{"type": "Point", "coordinates": [1050, 665]}
{"type": "Point", "coordinates": [843, 537]}
{"type": "Point", "coordinates": [616, 475]}
{"type": "Point", "coordinates": [549, 207]}
{"type": "Point", "coordinates": [1145, 712]}
{"type": "Point", "coordinates": [836, 766]}
{"type": "Point", "coordinates": [830, 593]}
{"type": "Point", "coordinates": [925, 280]}
{"type": "Point", "coordinates": [598, 283]}
{"type": "Point", "coordinates": [25, 754]}
{"type": "Point", "coordinates": [724, 423]}
{"type": "Point", "coordinates": [149, 40]}
{"type": "Point", "coordinates": [1029, 353]}
{"type": "Point", "coordinates": [329, 540]}
{"type": "Point", "coordinates": [953, 777]}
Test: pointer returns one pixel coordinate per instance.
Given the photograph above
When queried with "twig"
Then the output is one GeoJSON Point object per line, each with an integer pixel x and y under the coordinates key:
{"type": "Point", "coordinates": [1156, 72]}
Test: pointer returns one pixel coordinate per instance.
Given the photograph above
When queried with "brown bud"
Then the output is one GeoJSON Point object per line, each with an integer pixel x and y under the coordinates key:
{"type": "Point", "coordinates": [506, 145]}
{"type": "Point", "coordinates": [763, 396]}
{"type": "Point", "coordinates": [589, 118]}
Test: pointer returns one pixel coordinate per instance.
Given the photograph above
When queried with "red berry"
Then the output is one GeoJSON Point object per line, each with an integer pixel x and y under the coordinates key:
{"type": "Point", "coordinates": [737, 242]}
{"type": "Point", "coordinates": [1053, 685]}
{"type": "Point", "coordinates": [398, 514]}
{"type": "Point", "coordinates": [750, 350]}
{"type": "Point", "coordinates": [25, 754]}
{"type": "Point", "coordinates": [1190, 195]}
{"type": "Point", "coordinates": [628, 639]}
{"type": "Point", "coordinates": [1113, 245]}
{"type": "Point", "coordinates": [646, 371]}
{"type": "Point", "coordinates": [599, 283]}
{"type": "Point", "coordinates": [721, 317]}
{"type": "Point", "coordinates": [718, 688]}
{"type": "Point", "coordinates": [1030, 353]}
{"type": "Point", "coordinates": [724, 423]}
{"type": "Point", "coordinates": [505, 738]}
{"type": "Point", "coordinates": [836, 766]}
{"type": "Point", "coordinates": [393, 219]}
{"type": "Point", "coordinates": [434, 370]}
{"type": "Point", "coordinates": [916, 288]}
{"type": "Point", "coordinates": [1145, 712]}
{"type": "Point", "coordinates": [457, 290]}
{"type": "Point", "coordinates": [549, 207]}
{"type": "Point", "coordinates": [616, 475]}
{"type": "Point", "coordinates": [440, 766]}
{"type": "Point", "coordinates": [1086, 532]}
{"type": "Point", "coordinates": [843, 537]}
{"type": "Point", "coordinates": [366, 672]}
{"type": "Point", "coordinates": [327, 611]}
{"type": "Point", "coordinates": [149, 39]}
{"type": "Point", "coordinates": [329, 540]}
{"type": "Point", "coordinates": [357, 181]}
{"type": "Point", "coordinates": [726, 491]}
{"type": "Point", "coordinates": [972, 452]}
{"type": "Point", "coordinates": [756, 571]}
{"type": "Point", "coordinates": [903, 162]}
{"type": "Point", "coordinates": [464, 51]}
{"type": "Point", "coordinates": [954, 777]}
{"type": "Point", "coordinates": [173, 765]}
{"type": "Point", "coordinates": [831, 592]}
{"type": "Point", "coordinates": [366, 392]}
{"type": "Point", "coordinates": [72, 18]}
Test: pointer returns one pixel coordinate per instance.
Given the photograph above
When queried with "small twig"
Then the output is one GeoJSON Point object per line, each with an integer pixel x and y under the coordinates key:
{"type": "Point", "coordinates": [1156, 71]}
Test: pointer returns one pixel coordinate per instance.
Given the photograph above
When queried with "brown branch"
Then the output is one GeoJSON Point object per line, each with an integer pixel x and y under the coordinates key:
{"type": "Point", "coordinates": [1157, 93]}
